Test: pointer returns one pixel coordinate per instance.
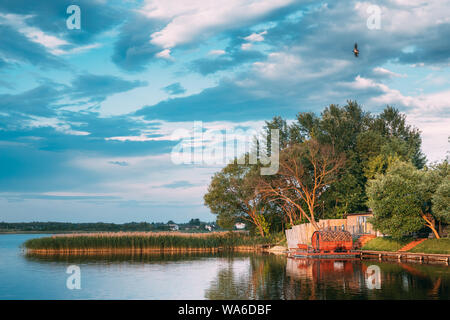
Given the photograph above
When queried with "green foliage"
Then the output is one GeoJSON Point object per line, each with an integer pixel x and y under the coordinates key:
{"type": "Point", "coordinates": [441, 201]}
{"type": "Point", "coordinates": [231, 196]}
{"type": "Point", "coordinates": [400, 198]}
{"type": "Point", "coordinates": [371, 144]}
{"type": "Point", "coordinates": [263, 223]}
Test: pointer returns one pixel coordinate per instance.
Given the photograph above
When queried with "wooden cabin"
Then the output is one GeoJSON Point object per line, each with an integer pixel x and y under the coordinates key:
{"type": "Point", "coordinates": [331, 241]}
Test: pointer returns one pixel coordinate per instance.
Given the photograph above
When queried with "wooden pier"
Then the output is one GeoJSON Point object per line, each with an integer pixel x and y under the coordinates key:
{"type": "Point", "coordinates": [324, 255]}
{"type": "Point", "coordinates": [405, 256]}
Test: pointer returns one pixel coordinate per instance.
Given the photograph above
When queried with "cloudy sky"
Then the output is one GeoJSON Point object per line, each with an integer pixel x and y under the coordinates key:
{"type": "Point", "coordinates": [88, 116]}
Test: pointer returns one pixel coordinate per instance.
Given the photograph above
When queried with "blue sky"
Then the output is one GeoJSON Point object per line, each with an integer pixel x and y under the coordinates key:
{"type": "Point", "coordinates": [88, 116]}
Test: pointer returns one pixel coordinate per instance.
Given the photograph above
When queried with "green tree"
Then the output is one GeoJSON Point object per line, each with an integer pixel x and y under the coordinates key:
{"type": "Point", "coordinates": [440, 185]}
{"type": "Point", "coordinates": [441, 201]}
{"type": "Point", "coordinates": [194, 222]}
{"type": "Point", "coordinates": [370, 143]}
{"type": "Point", "coordinates": [401, 200]}
{"type": "Point", "coordinates": [231, 195]}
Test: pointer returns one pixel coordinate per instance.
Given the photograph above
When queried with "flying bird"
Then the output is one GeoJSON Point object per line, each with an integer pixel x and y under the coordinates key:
{"type": "Point", "coordinates": [355, 50]}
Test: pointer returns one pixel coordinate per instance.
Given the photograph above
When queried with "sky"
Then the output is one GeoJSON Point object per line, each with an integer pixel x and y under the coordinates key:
{"type": "Point", "coordinates": [91, 117]}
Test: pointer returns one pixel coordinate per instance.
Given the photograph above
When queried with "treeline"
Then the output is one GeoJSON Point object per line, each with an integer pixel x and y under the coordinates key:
{"type": "Point", "coordinates": [193, 225]}
{"type": "Point", "coordinates": [325, 164]}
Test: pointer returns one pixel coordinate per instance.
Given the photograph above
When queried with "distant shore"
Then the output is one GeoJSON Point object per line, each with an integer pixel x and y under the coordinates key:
{"type": "Point", "coordinates": [43, 232]}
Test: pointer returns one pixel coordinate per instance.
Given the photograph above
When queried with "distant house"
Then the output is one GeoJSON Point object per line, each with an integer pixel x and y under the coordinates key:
{"type": "Point", "coordinates": [209, 227]}
{"type": "Point", "coordinates": [174, 227]}
{"type": "Point", "coordinates": [239, 226]}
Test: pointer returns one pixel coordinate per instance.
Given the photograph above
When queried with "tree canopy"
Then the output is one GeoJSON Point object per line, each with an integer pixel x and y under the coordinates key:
{"type": "Point", "coordinates": [404, 199]}
{"type": "Point", "coordinates": [370, 144]}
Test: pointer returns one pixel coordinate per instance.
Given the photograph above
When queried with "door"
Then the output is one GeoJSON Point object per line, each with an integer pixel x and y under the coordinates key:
{"type": "Point", "coordinates": [317, 241]}
{"type": "Point", "coordinates": [362, 225]}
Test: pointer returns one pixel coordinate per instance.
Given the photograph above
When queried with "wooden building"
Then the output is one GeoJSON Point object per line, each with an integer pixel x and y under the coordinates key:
{"type": "Point", "coordinates": [355, 223]}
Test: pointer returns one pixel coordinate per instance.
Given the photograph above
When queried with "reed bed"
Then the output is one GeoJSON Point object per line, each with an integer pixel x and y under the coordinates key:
{"type": "Point", "coordinates": [143, 242]}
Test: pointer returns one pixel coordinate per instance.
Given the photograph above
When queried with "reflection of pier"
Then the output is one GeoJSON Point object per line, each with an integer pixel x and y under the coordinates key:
{"type": "Point", "coordinates": [420, 257]}
{"type": "Point", "coordinates": [345, 273]}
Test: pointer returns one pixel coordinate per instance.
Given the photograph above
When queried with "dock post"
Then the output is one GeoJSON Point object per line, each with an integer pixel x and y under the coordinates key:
{"type": "Point", "coordinates": [399, 257]}
{"type": "Point", "coordinates": [379, 256]}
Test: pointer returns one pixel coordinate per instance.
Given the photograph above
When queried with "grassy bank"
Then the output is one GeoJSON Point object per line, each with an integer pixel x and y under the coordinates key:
{"type": "Point", "coordinates": [441, 246]}
{"type": "Point", "coordinates": [141, 241]}
{"type": "Point", "coordinates": [433, 246]}
{"type": "Point", "coordinates": [386, 244]}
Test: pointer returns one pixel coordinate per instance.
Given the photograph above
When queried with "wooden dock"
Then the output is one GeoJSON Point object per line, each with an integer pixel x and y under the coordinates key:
{"type": "Point", "coordinates": [404, 256]}
{"type": "Point", "coordinates": [323, 255]}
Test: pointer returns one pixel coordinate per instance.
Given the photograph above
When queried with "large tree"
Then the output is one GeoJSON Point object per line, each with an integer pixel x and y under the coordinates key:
{"type": "Point", "coordinates": [306, 171]}
{"type": "Point", "coordinates": [370, 142]}
{"type": "Point", "coordinates": [401, 199]}
{"type": "Point", "coordinates": [440, 184]}
{"type": "Point", "coordinates": [441, 201]}
{"type": "Point", "coordinates": [231, 195]}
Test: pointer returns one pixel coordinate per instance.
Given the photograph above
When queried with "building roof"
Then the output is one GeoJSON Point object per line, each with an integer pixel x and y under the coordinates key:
{"type": "Point", "coordinates": [335, 235]}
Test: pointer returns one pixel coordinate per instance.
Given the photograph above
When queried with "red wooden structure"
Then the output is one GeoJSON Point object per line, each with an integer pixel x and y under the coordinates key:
{"type": "Point", "coordinates": [331, 241]}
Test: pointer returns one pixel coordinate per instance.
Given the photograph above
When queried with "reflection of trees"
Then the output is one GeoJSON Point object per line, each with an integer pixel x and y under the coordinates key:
{"type": "Point", "coordinates": [411, 281]}
{"type": "Point", "coordinates": [324, 279]}
{"type": "Point", "coordinates": [264, 279]}
{"type": "Point", "coordinates": [132, 258]}
{"type": "Point", "coordinates": [278, 277]}
{"type": "Point", "coordinates": [272, 277]}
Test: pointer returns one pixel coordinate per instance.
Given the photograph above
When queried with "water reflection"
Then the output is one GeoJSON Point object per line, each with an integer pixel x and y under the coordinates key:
{"type": "Point", "coordinates": [131, 258]}
{"type": "Point", "coordinates": [266, 276]}
{"type": "Point", "coordinates": [274, 277]}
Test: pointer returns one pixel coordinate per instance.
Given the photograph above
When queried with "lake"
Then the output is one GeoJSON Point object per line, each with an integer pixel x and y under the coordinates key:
{"type": "Point", "coordinates": [212, 276]}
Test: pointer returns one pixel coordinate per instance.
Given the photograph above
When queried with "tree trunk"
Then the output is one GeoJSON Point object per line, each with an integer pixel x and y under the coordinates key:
{"type": "Point", "coordinates": [435, 232]}
{"type": "Point", "coordinates": [429, 222]}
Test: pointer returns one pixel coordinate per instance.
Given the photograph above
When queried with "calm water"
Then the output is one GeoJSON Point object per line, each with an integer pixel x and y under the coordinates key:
{"type": "Point", "coordinates": [213, 276]}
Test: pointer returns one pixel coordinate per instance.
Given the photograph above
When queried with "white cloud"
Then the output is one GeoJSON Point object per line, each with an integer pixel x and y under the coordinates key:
{"type": "Point", "coordinates": [428, 112]}
{"type": "Point", "coordinates": [246, 46]}
{"type": "Point", "coordinates": [52, 43]}
{"type": "Point", "coordinates": [408, 16]}
{"type": "Point", "coordinates": [190, 20]}
{"type": "Point", "coordinates": [290, 66]}
{"type": "Point", "coordinates": [256, 37]}
{"type": "Point", "coordinates": [435, 133]}
{"type": "Point", "coordinates": [165, 54]}
{"type": "Point", "coordinates": [387, 73]}
{"type": "Point", "coordinates": [217, 52]}
{"type": "Point", "coordinates": [55, 123]}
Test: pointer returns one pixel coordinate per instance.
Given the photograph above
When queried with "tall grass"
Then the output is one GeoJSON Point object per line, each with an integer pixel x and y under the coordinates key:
{"type": "Point", "coordinates": [143, 241]}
